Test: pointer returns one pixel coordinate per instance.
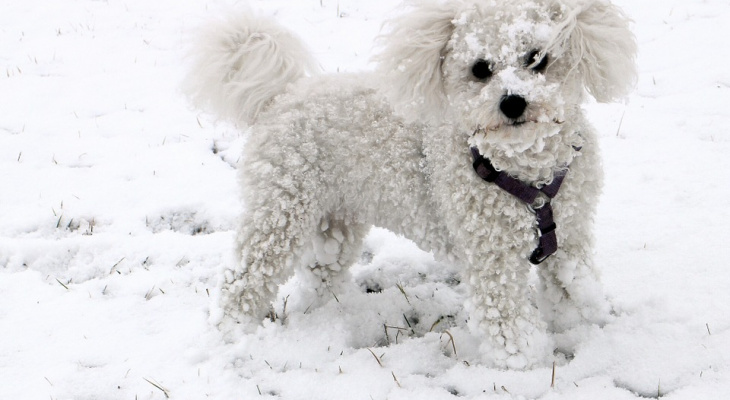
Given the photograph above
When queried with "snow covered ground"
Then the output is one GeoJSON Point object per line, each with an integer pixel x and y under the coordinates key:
{"type": "Point", "coordinates": [118, 202]}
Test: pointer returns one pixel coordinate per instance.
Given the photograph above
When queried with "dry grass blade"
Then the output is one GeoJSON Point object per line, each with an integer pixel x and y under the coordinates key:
{"type": "Point", "coordinates": [438, 321]}
{"type": "Point", "coordinates": [376, 358]}
{"type": "Point", "coordinates": [451, 339]}
{"type": "Point", "coordinates": [114, 267]}
{"type": "Point", "coordinates": [396, 327]}
{"type": "Point", "coordinates": [149, 293]}
{"type": "Point", "coordinates": [395, 379]}
{"type": "Point", "coordinates": [552, 382]}
{"type": "Point", "coordinates": [620, 122]}
{"type": "Point", "coordinates": [403, 291]}
{"type": "Point", "coordinates": [410, 327]}
{"type": "Point", "coordinates": [61, 283]}
{"type": "Point", "coordinates": [158, 386]}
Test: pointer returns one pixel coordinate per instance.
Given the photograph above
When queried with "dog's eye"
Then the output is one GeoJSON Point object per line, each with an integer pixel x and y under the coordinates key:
{"type": "Point", "coordinates": [534, 62]}
{"type": "Point", "coordinates": [481, 70]}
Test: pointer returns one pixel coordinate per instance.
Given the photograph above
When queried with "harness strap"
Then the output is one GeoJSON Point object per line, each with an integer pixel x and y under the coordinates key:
{"type": "Point", "coordinates": [547, 243]}
{"type": "Point", "coordinates": [547, 240]}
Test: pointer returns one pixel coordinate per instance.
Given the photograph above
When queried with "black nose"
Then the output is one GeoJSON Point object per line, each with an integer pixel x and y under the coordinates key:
{"type": "Point", "coordinates": [513, 106]}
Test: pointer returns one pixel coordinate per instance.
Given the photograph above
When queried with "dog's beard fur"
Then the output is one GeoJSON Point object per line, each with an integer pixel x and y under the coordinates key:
{"type": "Point", "coordinates": [515, 139]}
{"type": "Point", "coordinates": [541, 121]}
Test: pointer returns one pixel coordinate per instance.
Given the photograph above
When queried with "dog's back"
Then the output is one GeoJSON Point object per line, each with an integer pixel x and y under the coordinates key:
{"type": "Point", "coordinates": [337, 140]}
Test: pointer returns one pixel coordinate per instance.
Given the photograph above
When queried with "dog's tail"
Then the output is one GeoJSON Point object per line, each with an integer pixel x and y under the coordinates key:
{"type": "Point", "coordinates": [239, 64]}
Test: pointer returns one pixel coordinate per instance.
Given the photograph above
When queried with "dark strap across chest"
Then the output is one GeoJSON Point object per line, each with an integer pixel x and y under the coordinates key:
{"type": "Point", "coordinates": [536, 199]}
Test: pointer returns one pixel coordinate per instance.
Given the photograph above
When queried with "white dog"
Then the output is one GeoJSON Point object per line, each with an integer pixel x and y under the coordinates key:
{"type": "Point", "coordinates": [476, 149]}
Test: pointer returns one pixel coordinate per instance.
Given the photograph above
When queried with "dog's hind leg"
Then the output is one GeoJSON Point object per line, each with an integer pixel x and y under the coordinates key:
{"type": "Point", "coordinates": [337, 244]}
{"type": "Point", "coordinates": [271, 241]}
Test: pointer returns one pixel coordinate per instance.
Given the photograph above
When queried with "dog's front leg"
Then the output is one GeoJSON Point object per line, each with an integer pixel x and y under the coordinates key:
{"type": "Point", "coordinates": [501, 310]}
{"type": "Point", "coordinates": [570, 292]}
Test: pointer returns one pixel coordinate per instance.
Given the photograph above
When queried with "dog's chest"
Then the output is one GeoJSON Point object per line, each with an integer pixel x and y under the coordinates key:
{"type": "Point", "coordinates": [481, 214]}
{"type": "Point", "coordinates": [466, 202]}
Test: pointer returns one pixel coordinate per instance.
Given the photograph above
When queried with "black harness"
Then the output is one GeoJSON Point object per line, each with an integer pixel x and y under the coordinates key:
{"type": "Point", "coordinates": [537, 200]}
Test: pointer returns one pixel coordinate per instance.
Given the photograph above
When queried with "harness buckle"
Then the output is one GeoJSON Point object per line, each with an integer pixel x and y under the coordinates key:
{"type": "Point", "coordinates": [538, 257]}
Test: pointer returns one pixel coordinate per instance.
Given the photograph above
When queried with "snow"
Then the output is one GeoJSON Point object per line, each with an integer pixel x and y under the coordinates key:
{"type": "Point", "coordinates": [118, 206]}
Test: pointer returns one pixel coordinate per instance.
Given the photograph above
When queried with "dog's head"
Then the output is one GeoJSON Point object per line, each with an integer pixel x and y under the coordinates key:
{"type": "Point", "coordinates": [508, 70]}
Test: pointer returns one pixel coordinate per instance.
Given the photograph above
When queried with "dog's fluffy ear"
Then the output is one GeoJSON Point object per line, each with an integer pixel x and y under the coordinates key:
{"type": "Point", "coordinates": [412, 54]}
{"type": "Point", "coordinates": [597, 33]}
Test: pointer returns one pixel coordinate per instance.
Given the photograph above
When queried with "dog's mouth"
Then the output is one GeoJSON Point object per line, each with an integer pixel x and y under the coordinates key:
{"type": "Point", "coordinates": [515, 124]}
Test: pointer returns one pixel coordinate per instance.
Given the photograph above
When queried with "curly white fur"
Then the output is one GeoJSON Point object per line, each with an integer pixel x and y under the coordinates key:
{"type": "Point", "coordinates": [312, 185]}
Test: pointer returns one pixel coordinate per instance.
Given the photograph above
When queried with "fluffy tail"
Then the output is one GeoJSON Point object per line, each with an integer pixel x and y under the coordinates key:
{"type": "Point", "coordinates": [241, 63]}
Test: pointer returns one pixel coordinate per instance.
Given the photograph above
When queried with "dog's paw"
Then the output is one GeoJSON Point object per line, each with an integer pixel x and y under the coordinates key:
{"type": "Point", "coordinates": [571, 315]}
{"type": "Point", "coordinates": [526, 351]}
{"type": "Point", "coordinates": [234, 327]}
